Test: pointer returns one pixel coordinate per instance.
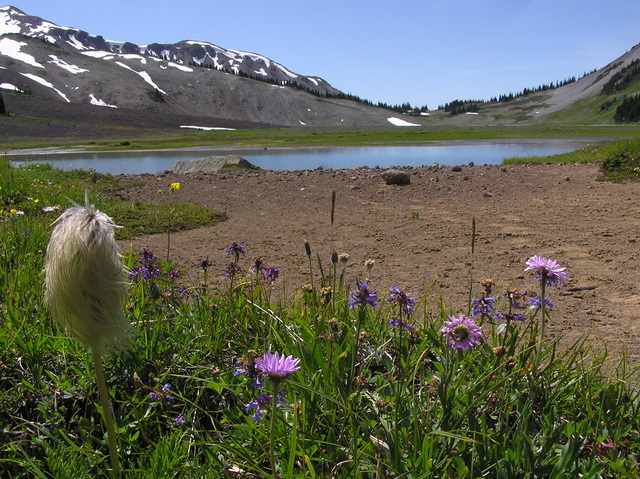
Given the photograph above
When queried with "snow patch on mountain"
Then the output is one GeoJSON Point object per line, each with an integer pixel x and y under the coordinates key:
{"type": "Point", "coordinates": [98, 54]}
{"type": "Point", "coordinates": [11, 48]}
{"type": "Point", "coordinates": [180, 67]}
{"type": "Point", "coordinates": [44, 82]}
{"type": "Point", "coordinates": [205, 128]}
{"type": "Point", "coordinates": [400, 122]}
{"type": "Point", "coordinates": [95, 101]}
{"type": "Point", "coordinates": [75, 69]}
{"type": "Point", "coordinates": [9, 86]}
{"type": "Point", "coordinates": [144, 75]}
{"type": "Point", "coordinates": [7, 23]}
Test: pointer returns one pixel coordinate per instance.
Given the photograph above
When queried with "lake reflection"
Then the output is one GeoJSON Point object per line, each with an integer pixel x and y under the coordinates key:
{"type": "Point", "coordinates": [444, 153]}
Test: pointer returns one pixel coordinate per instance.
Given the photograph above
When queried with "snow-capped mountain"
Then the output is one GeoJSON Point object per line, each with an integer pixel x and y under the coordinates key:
{"type": "Point", "coordinates": [196, 78]}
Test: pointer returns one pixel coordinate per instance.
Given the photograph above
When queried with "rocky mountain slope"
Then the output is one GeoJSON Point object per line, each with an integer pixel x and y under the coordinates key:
{"type": "Point", "coordinates": [189, 78]}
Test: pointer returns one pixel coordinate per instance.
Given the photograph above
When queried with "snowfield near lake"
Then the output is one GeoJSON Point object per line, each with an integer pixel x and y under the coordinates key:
{"type": "Point", "coordinates": [400, 122]}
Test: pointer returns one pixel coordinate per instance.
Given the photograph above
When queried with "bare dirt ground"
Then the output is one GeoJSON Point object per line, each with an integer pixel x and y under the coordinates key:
{"type": "Point", "coordinates": [422, 232]}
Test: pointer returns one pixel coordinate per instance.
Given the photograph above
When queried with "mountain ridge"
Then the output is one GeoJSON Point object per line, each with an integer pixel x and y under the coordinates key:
{"type": "Point", "coordinates": [70, 79]}
{"type": "Point", "coordinates": [189, 78]}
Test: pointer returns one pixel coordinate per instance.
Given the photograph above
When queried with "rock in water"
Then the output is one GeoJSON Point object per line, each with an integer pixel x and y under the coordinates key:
{"type": "Point", "coordinates": [212, 163]}
{"type": "Point", "coordinates": [396, 177]}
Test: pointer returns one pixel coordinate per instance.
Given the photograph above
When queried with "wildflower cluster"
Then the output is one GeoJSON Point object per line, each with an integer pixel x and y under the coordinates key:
{"type": "Point", "coordinates": [260, 268]}
{"type": "Point", "coordinates": [521, 304]}
{"type": "Point", "coordinates": [515, 310]}
{"type": "Point", "coordinates": [148, 269]}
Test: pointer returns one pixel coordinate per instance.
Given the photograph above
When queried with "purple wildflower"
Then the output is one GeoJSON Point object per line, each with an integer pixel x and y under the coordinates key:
{"type": "Point", "coordinates": [258, 265]}
{"type": "Point", "coordinates": [362, 296]}
{"type": "Point", "coordinates": [258, 403]}
{"type": "Point", "coordinates": [205, 263]}
{"type": "Point", "coordinates": [483, 306]}
{"type": "Point", "coordinates": [405, 303]}
{"type": "Point", "coordinates": [536, 302]}
{"type": "Point", "coordinates": [49, 209]}
{"type": "Point", "coordinates": [236, 249]}
{"type": "Point", "coordinates": [146, 256]}
{"type": "Point", "coordinates": [271, 274]}
{"type": "Point", "coordinates": [147, 267]}
{"type": "Point", "coordinates": [397, 323]}
{"type": "Point", "coordinates": [547, 270]}
{"type": "Point", "coordinates": [247, 367]}
{"type": "Point", "coordinates": [173, 274]}
{"type": "Point", "coordinates": [508, 317]}
{"type": "Point", "coordinates": [462, 332]}
{"type": "Point", "coordinates": [277, 367]}
{"type": "Point", "coordinates": [149, 271]}
{"type": "Point", "coordinates": [165, 391]}
{"type": "Point", "coordinates": [160, 393]}
{"type": "Point", "coordinates": [514, 298]}
{"type": "Point", "coordinates": [179, 420]}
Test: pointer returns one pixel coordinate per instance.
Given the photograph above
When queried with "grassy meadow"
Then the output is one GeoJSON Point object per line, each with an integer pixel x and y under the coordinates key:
{"type": "Point", "coordinates": [385, 387]}
{"type": "Point", "coordinates": [302, 137]}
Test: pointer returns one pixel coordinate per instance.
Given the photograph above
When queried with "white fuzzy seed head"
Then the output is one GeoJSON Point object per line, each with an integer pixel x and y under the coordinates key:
{"type": "Point", "coordinates": [85, 280]}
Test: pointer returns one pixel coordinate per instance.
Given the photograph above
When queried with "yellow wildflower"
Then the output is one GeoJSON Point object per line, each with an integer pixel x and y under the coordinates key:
{"type": "Point", "coordinates": [174, 187]}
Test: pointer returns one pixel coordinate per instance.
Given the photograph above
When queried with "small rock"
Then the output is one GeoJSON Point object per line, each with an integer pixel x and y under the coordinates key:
{"type": "Point", "coordinates": [457, 169]}
{"type": "Point", "coordinates": [486, 194]}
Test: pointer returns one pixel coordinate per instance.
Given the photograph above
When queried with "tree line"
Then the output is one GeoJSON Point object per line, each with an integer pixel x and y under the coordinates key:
{"type": "Point", "coordinates": [628, 111]}
{"type": "Point", "coordinates": [457, 107]}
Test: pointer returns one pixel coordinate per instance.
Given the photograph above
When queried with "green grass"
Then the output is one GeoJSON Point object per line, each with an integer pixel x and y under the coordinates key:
{"type": "Point", "coordinates": [619, 160]}
{"type": "Point", "coordinates": [301, 137]}
{"type": "Point", "coordinates": [35, 186]}
{"type": "Point", "coordinates": [370, 400]}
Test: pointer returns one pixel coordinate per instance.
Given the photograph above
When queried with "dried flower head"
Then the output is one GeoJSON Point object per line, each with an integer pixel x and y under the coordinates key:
{"type": "Point", "coordinates": [343, 257]}
{"type": "Point", "coordinates": [85, 280]}
{"type": "Point", "coordinates": [487, 284]}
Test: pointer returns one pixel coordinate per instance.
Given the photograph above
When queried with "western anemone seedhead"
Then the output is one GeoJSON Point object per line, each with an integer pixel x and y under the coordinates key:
{"type": "Point", "coordinates": [85, 280]}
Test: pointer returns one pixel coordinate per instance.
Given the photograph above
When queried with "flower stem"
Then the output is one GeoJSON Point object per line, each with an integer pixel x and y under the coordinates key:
{"type": "Point", "coordinates": [543, 308]}
{"type": "Point", "coordinates": [107, 414]}
{"type": "Point", "coordinates": [354, 350]}
{"type": "Point", "coordinates": [272, 432]}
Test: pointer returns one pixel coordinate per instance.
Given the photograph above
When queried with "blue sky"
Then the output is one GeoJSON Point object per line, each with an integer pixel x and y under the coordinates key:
{"type": "Point", "coordinates": [426, 52]}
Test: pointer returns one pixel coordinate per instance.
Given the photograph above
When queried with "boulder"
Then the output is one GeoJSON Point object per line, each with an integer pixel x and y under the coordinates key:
{"type": "Point", "coordinates": [396, 177]}
{"type": "Point", "coordinates": [212, 163]}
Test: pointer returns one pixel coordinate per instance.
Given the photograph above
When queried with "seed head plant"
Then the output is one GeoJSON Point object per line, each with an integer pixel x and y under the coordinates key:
{"type": "Point", "coordinates": [85, 288]}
